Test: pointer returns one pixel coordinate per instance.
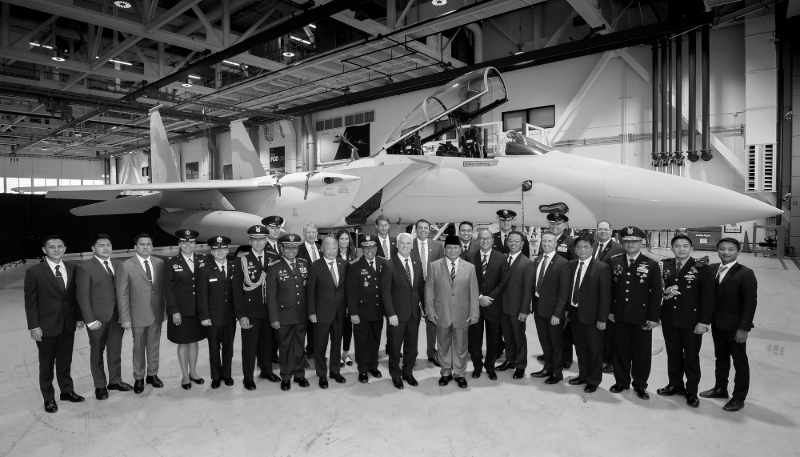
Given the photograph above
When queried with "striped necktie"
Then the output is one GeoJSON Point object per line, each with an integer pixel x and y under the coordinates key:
{"type": "Point", "coordinates": [452, 271]}
{"type": "Point", "coordinates": [408, 273]}
{"type": "Point", "coordinates": [423, 256]}
{"type": "Point", "coordinates": [484, 264]}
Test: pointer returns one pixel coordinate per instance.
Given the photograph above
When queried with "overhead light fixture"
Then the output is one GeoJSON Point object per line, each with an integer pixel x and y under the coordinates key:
{"type": "Point", "coordinates": [288, 54]}
{"type": "Point", "coordinates": [187, 84]}
{"type": "Point", "coordinates": [58, 58]}
{"type": "Point", "coordinates": [312, 26]}
{"type": "Point", "coordinates": [40, 45]}
{"type": "Point", "coordinates": [299, 39]}
{"type": "Point", "coordinates": [122, 4]}
{"type": "Point", "coordinates": [439, 2]}
{"type": "Point", "coordinates": [195, 77]}
{"type": "Point", "coordinates": [231, 63]}
{"type": "Point", "coordinates": [120, 62]}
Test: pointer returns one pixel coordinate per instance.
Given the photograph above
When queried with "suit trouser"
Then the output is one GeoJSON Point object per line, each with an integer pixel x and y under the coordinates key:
{"type": "Point", "coordinates": [430, 337]}
{"type": "Point", "coordinates": [475, 337]}
{"type": "Point", "coordinates": [589, 341]}
{"type": "Point", "coordinates": [292, 354]}
{"type": "Point", "coordinates": [257, 346]}
{"type": "Point", "coordinates": [347, 333]}
{"type": "Point", "coordinates": [309, 338]}
{"type": "Point", "coordinates": [725, 349]}
{"type": "Point", "coordinates": [453, 349]}
{"type": "Point", "coordinates": [367, 336]}
{"type": "Point", "coordinates": [683, 356]}
{"type": "Point", "coordinates": [552, 345]}
{"type": "Point", "coordinates": [220, 350]}
{"type": "Point", "coordinates": [322, 332]}
{"type": "Point", "coordinates": [405, 335]}
{"type": "Point", "coordinates": [567, 341]}
{"type": "Point", "coordinates": [633, 354]}
{"type": "Point", "coordinates": [108, 339]}
{"type": "Point", "coordinates": [608, 345]}
{"type": "Point", "coordinates": [516, 341]}
{"type": "Point", "coordinates": [146, 341]}
{"type": "Point", "coordinates": [55, 351]}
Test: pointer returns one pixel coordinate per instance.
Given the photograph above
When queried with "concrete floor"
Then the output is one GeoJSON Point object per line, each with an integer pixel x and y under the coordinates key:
{"type": "Point", "coordinates": [489, 418]}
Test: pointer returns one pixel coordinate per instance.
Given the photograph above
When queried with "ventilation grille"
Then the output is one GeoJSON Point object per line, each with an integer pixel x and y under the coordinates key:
{"type": "Point", "coordinates": [760, 168]}
{"type": "Point", "coordinates": [359, 118]}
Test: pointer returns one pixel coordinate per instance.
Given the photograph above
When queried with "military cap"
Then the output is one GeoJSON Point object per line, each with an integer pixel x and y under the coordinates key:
{"type": "Point", "coordinates": [277, 221]}
{"type": "Point", "coordinates": [187, 234]}
{"type": "Point", "coordinates": [631, 233]}
{"type": "Point", "coordinates": [219, 241]}
{"type": "Point", "coordinates": [452, 239]}
{"type": "Point", "coordinates": [257, 231]}
{"type": "Point", "coordinates": [553, 217]}
{"type": "Point", "coordinates": [366, 241]}
{"type": "Point", "coordinates": [506, 214]}
{"type": "Point", "coordinates": [290, 240]}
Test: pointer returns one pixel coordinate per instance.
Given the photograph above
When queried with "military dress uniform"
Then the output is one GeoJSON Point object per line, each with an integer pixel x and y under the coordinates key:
{"type": "Point", "coordinates": [500, 241]}
{"type": "Point", "coordinates": [180, 293]}
{"type": "Point", "coordinates": [286, 299]}
{"type": "Point", "coordinates": [365, 300]}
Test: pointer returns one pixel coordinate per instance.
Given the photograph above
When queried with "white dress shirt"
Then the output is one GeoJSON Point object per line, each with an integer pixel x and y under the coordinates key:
{"type": "Point", "coordinates": [61, 268]}
{"type": "Point", "coordinates": [222, 266]}
{"type": "Point", "coordinates": [149, 261]}
{"type": "Point", "coordinates": [628, 259]}
{"type": "Point", "coordinates": [190, 261]}
{"type": "Point", "coordinates": [546, 259]}
{"type": "Point", "coordinates": [513, 257]}
{"type": "Point", "coordinates": [600, 248]}
{"type": "Point", "coordinates": [410, 265]}
{"type": "Point", "coordinates": [387, 244]}
{"type": "Point", "coordinates": [450, 266]}
{"type": "Point", "coordinates": [103, 263]}
{"type": "Point", "coordinates": [727, 270]}
{"type": "Point", "coordinates": [312, 251]}
{"type": "Point", "coordinates": [332, 266]}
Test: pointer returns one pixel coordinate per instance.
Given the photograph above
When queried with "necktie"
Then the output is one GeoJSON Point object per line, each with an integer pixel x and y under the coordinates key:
{"type": "Point", "coordinates": [108, 269]}
{"type": "Point", "coordinates": [371, 265]}
{"type": "Point", "coordinates": [719, 273]}
{"type": "Point", "coordinates": [313, 252]}
{"type": "Point", "coordinates": [333, 272]}
{"type": "Point", "coordinates": [576, 288]}
{"type": "Point", "coordinates": [630, 262]}
{"type": "Point", "coordinates": [147, 272]}
{"type": "Point", "coordinates": [485, 264]}
{"type": "Point", "coordinates": [423, 256]}
{"type": "Point", "coordinates": [408, 273]}
{"type": "Point", "coordinates": [510, 259]}
{"type": "Point", "coordinates": [452, 271]}
{"type": "Point", "coordinates": [386, 250]}
{"type": "Point", "coordinates": [599, 251]}
{"type": "Point", "coordinates": [260, 262]}
{"type": "Point", "coordinates": [222, 270]}
{"type": "Point", "coordinates": [61, 284]}
{"type": "Point", "coordinates": [678, 266]}
{"type": "Point", "coordinates": [291, 267]}
{"type": "Point", "coordinates": [541, 273]}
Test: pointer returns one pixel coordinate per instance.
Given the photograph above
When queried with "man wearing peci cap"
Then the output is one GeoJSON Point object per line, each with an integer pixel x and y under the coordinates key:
{"type": "Point", "coordinates": [286, 299]}
{"type": "Point", "coordinates": [215, 309]}
{"type": "Point", "coordinates": [637, 296]}
{"type": "Point", "coordinates": [505, 217]}
{"type": "Point", "coordinates": [250, 305]}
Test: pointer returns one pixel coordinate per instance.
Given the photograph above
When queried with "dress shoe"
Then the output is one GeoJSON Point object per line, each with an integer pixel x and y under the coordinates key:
{"type": "Point", "coordinates": [734, 405]}
{"type": "Point", "coordinates": [576, 381]}
{"type": "Point", "coordinates": [228, 381]}
{"type": "Point", "coordinates": [138, 386]}
{"type": "Point", "coordinates": [197, 381]}
{"type": "Point", "coordinates": [462, 382]}
{"type": "Point", "coordinates": [568, 364]}
{"type": "Point", "coordinates": [363, 378]}
{"type": "Point", "coordinates": [120, 386]}
{"type": "Point", "coordinates": [398, 383]}
{"type": "Point", "coordinates": [376, 373]}
{"type": "Point", "coordinates": [443, 381]}
{"type": "Point", "coordinates": [670, 391]}
{"type": "Point", "coordinates": [476, 374]}
{"type": "Point", "coordinates": [541, 374]}
{"type": "Point", "coordinates": [271, 377]}
{"type": "Point", "coordinates": [492, 375]}
{"type": "Point", "coordinates": [434, 361]}
{"type": "Point", "coordinates": [286, 385]}
{"type": "Point", "coordinates": [186, 386]}
{"type": "Point", "coordinates": [101, 393]}
{"type": "Point", "coordinates": [642, 393]}
{"type": "Point", "coordinates": [590, 389]}
{"type": "Point", "coordinates": [412, 381]}
{"type": "Point", "coordinates": [505, 366]}
{"type": "Point", "coordinates": [323, 382]}
{"type": "Point", "coordinates": [338, 378]}
{"type": "Point", "coordinates": [154, 381]}
{"type": "Point", "coordinates": [554, 380]}
{"type": "Point", "coordinates": [302, 382]}
{"type": "Point", "coordinates": [215, 383]}
{"type": "Point", "coordinates": [250, 385]}
{"type": "Point", "coordinates": [71, 397]}
{"type": "Point", "coordinates": [608, 368]}
{"type": "Point", "coordinates": [692, 400]}
{"type": "Point", "coordinates": [50, 406]}
{"type": "Point", "coordinates": [617, 388]}
{"type": "Point", "coordinates": [540, 357]}
{"type": "Point", "coordinates": [716, 392]}
{"type": "Point", "coordinates": [519, 373]}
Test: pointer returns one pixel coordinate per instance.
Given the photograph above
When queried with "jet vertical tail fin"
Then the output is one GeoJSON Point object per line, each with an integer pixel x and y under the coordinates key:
{"type": "Point", "coordinates": [244, 158]}
{"type": "Point", "coordinates": [162, 160]}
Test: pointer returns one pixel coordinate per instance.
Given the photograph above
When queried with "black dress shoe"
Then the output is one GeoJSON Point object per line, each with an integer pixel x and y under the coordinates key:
{"type": "Point", "coordinates": [608, 368]}
{"type": "Point", "coordinates": [434, 361]}
{"type": "Point", "coordinates": [154, 381]}
{"type": "Point", "coordinates": [186, 386]}
{"type": "Point", "coordinates": [576, 381]}
{"type": "Point", "coordinates": [716, 392]}
{"type": "Point", "coordinates": [670, 391]}
{"type": "Point", "coordinates": [120, 386]}
{"type": "Point", "coordinates": [519, 373]}
{"type": "Point", "coordinates": [590, 389]}
{"type": "Point", "coordinates": [363, 378]}
{"type": "Point", "coordinates": [398, 383]}
{"type": "Point", "coordinates": [338, 378]}
{"type": "Point", "coordinates": [228, 381]}
{"type": "Point", "coordinates": [101, 393]}
{"type": "Point", "coordinates": [476, 374]}
{"type": "Point", "coordinates": [617, 388]}
{"type": "Point", "coordinates": [541, 374]}
{"type": "Point", "coordinates": [138, 386]}
{"type": "Point", "coordinates": [540, 357]}
{"type": "Point", "coordinates": [412, 381]}
{"type": "Point", "coordinates": [250, 385]}
{"type": "Point", "coordinates": [642, 393]}
{"type": "Point", "coordinates": [692, 400]}
{"type": "Point", "coordinates": [492, 375]}
{"type": "Point", "coordinates": [734, 405]}
{"type": "Point", "coordinates": [197, 380]}
{"type": "Point", "coordinates": [376, 373]}
{"type": "Point", "coordinates": [323, 382]}
{"type": "Point", "coordinates": [271, 377]}
{"type": "Point", "coordinates": [554, 379]}
{"type": "Point", "coordinates": [50, 406]}
{"type": "Point", "coordinates": [286, 385]}
{"type": "Point", "coordinates": [302, 382]}
{"type": "Point", "coordinates": [215, 383]}
{"type": "Point", "coordinates": [568, 364]}
{"type": "Point", "coordinates": [462, 382]}
{"type": "Point", "coordinates": [443, 381]}
{"type": "Point", "coordinates": [505, 366]}
{"type": "Point", "coordinates": [71, 397]}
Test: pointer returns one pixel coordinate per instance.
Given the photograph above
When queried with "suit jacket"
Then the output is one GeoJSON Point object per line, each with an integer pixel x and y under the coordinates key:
{"type": "Point", "coordinates": [139, 301]}
{"type": "Point", "coordinates": [326, 299]}
{"type": "Point", "coordinates": [502, 246]}
{"type": "Point", "coordinates": [736, 298]}
{"type": "Point", "coordinates": [392, 247]}
{"type": "Point", "coordinates": [250, 303]}
{"type": "Point", "coordinates": [697, 294]}
{"type": "Point", "coordinates": [637, 289]}
{"type": "Point", "coordinates": [494, 283]}
{"type": "Point", "coordinates": [364, 293]}
{"type": "Point", "coordinates": [517, 296]}
{"type": "Point", "coordinates": [400, 297]}
{"type": "Point", "coordinates": [554, 290]}
{"type": "Point", "coordinates": [46, 306]}
{"type": "Point", "coordinates": [286, 292]}
{"type": "Point", "coordinates": [275, 253]}
{"type": "Point", "coordinates": [452, 302]}
{"type": "Point", "coordinates": [594, 295]}
{"type": "Point", "coordinates": [215, 294]}
{"type": "Point", "coordinates": [302, 252]}
{"type": "Point", "coordinates": [565, 246]}
{"type": "Point", "coordinates": [612, 248]}
{"type": "Point", "coordinates": [95, 290]}
{"type": "Point", "coordinates": [466, 254]}
{"type": "Point", "coordinates": [435, 251]}
{"type": "Point", "coordinates": [180, 284]}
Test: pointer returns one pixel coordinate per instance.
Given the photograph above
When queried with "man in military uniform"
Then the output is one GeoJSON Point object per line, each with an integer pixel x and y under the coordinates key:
{"type": "Point", "coordinates": [500, 243]}
{"type": "Point", "coordinates": [273, 224]}
{"type": "Point", "coordinates": [286, 299]}
{"type": "Point", "coordinates": [215, 310]}
{"type": "Point", "coordinates": [249, 300]}
{"type": "Point", "coordinates": [685, 316]}
{"type": "Point", "coordinates": [637, 294]}
{"type": "Point", "coordinates": [365, 302]}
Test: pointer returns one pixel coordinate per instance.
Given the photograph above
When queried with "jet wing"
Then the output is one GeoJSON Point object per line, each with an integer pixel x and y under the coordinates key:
{"type": "Point", "coordinates": [239, 185]}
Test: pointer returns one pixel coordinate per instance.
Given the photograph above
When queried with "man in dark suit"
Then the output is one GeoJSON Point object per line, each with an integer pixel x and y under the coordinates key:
{"type": "Point", "coordinates": [606, 248]}
{"type": "Point", "coordinates": [365, 303]}
{"type": "Point", "coordinates": [387, 246]}
{"type": "Point", "coordinates": [215, 310]}
{"type": "Point", "coordinates": [636, 309]}
{"type": "Point", "coordinates": [249, 302]}
{"type": "Point", "coordinates": [326, 309]}
{"type": "Point", "coordinates": [590, 303]}
{"type": "Point", "coordinates": [516, 306]}
{"type": "Point", "coordinates": [309, 251]}
{"type": "Point", "coordinates": [505, 218]}
{"type": "Point", "coordinates": [685, 316]}
{"type": "Point", "coordinates": [53, 314]}
{"type": "Point", "coordinates": [286, 298]}
{"type": "Point", "coordinates": [95, 290]}
{"type": "Point", "coordinates": [403, 292]}
{"type": "Point", "coordinates": [468, 246]}
{"type": "Point", "coordinates": [735, 307]}
{"type": "Point", "coordinates": [428, 251]}
{"type": "Point", "coordinates": [491, 268]}
{"type": "Point", "coordinates": [550, 295]}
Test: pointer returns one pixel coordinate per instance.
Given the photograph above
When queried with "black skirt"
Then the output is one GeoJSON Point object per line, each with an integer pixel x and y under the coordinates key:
{"type": "Point", "coordinates": [190, 330]}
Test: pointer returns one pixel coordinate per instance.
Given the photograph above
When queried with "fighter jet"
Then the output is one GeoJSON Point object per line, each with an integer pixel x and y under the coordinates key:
{"type": "Point", "coordinates": [416, 175]}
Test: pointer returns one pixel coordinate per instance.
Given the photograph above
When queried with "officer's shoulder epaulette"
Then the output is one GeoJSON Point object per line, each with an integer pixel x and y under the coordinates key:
{"type": "Point", "coordinates": [300, 259]}
{"type": "Point", "coordinates": [274, 262]}
{"type": "Point", "coordinates": [615, 256]}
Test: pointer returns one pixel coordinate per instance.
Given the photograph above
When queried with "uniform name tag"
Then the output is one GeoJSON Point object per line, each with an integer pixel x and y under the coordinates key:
{"type": "Point", "coordinates": [212, 279]}
{"type": "Point", "coordinates": [364, 272]}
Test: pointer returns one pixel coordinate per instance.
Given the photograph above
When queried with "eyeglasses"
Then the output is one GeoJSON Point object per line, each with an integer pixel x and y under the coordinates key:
{"type": "Point", "coordinates": [604, 230]}
{"type": "Point", "coordinates": [485, 238]}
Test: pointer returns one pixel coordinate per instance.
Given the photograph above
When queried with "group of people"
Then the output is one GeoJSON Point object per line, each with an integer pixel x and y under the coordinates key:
{"type": "Point", "coordinates": [293, 298]}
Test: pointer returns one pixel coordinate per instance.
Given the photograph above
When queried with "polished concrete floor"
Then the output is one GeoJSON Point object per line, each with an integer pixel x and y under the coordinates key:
{"type": "Point", "coordinates": [507, 416]}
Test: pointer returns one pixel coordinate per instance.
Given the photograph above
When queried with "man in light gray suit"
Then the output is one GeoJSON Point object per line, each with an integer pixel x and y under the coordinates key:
{"type": "Point", "coordinates": [141, 308]}
{"type": "Point", "coordinates": [451, 302]}
{"type": "Point", "coordinates": [428, 251]}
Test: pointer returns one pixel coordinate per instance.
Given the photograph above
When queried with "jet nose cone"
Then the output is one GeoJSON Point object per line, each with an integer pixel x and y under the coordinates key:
{"type": "Point", "coordinates": [650, 199]}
